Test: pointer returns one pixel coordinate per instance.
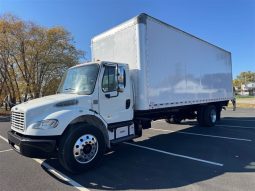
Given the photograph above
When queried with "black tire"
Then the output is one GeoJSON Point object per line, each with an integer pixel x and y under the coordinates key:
{"type": "Point", "coordinates": [200, 116]}
{"type": "Point", "coordinates": [138, 129]}
{"type": "Point", "coordinates": [168, 120]}
{"type": "Point", "coordinates": [218, 117]}
{"type": "Point", "coordinates": [210, 115]}
{"type": "Point", "coordinates": [67, 143]}
{"type": "Point", "coordinates": [174, 120]}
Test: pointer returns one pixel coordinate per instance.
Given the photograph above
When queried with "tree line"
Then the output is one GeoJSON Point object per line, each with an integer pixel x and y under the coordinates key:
{"type": "Point", "coordinates": [244, 78]}
{"type": "Point", "coordinates": [33, 58]}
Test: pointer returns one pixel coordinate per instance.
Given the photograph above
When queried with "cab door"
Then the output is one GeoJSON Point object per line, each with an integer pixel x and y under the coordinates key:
{"type": "Point", "coordinates": [115, 93]}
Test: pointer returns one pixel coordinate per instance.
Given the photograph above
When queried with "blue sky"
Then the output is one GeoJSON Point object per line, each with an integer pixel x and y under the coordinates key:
{"type": "Point", "coordinates": [229, 24]}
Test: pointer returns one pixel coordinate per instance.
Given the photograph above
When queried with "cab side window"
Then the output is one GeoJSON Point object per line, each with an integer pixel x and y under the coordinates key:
{"type": "Point", "coordinates": [109, 82]}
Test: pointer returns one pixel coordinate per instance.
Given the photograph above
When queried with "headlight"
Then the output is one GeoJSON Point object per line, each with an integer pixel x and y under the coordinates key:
{"type": "Point", "coordinates": [45, 124]}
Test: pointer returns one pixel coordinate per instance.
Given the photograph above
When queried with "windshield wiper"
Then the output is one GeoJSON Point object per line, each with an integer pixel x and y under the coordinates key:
{"type": "Point", "coordinates": [69, 90]}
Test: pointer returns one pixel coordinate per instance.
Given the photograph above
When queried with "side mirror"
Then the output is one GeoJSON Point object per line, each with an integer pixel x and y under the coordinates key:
{"type": "Point", "coordinates": [121, 79]}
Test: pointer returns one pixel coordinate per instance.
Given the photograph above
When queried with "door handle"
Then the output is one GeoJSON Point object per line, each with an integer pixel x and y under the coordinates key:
{"type": "Point", "coordinates": [108, 96]}
{"type": "Point", "coordinates": [127, 103]}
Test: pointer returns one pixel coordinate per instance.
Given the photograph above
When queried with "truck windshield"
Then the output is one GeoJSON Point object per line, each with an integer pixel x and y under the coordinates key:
{"type": "Point", "coordinates": [80, 80]}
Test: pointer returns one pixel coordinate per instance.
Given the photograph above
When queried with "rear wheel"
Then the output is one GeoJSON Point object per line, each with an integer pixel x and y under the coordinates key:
{"type": "Point", "coordinates": [81, 148]}
{"type": "Point", "coordinates": [207, 115]}
{"type": "Point", "coordinates": [210, 116]}
{"type": "Point", "coordinates": [138, 129]}
{"type": "Point", "coordinates": [200, 116]}
{"type": "Point", "coordinates": [218, 117]}
{"type": "Point", "coordinates": [175, 119]}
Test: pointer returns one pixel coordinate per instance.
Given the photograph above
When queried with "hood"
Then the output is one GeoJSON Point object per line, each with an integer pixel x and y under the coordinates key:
{"type": "Point", "coordinates": [43, 101]}
{"type": "Point", "coordinates": [47, 103]}
{"type": "Point", "coordinates": [51, 107]}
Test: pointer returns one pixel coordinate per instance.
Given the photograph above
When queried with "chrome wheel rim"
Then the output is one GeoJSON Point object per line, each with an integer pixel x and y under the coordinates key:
{"type": "Point", "coordinates": [85, 148]}
{"type": "Point", "coordinates": [213, 116]}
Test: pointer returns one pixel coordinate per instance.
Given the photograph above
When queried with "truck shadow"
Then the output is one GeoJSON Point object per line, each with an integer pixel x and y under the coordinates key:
{"type": "Point", "coordinates": [234, 121]}
{"type": "Point", "coordinates": [129, 167]}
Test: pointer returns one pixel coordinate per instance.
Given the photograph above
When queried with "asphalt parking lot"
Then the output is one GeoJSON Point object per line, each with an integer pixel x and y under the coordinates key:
{"type": "Point", "coordinates": [166, 157]}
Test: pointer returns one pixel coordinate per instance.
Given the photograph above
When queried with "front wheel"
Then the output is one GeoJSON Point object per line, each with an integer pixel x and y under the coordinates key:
{"type": "Point", "coordinates": [81, 148]}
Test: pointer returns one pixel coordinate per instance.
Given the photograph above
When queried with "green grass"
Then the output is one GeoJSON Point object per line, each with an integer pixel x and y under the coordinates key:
{"type": "Point", "coordinates": [240, 96]}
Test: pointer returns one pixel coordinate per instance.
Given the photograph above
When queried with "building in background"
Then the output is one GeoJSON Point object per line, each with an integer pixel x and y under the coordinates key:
{"type": "Point", "coordinates": [248, 89]}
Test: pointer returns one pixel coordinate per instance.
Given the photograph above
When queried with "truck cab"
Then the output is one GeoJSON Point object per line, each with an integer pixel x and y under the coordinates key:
{"type": "Point", "coordinates": [93, 108]}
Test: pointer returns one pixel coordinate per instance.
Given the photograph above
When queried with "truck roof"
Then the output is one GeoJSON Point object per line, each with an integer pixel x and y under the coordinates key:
{"type": "Point", "coordinates": [83, 64]}
{"type": "Point", "coordinates": [96, 62]}
{"type": "Point", "coordinates": [141, 18]}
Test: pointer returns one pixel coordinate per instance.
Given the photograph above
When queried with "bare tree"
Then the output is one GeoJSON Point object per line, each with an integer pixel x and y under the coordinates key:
{"type": "Point", "coordinates": [31, 57]}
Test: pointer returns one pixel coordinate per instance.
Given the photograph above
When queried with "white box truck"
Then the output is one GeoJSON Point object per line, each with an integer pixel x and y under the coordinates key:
{"type": "Point", "coordinates": [142, 70]}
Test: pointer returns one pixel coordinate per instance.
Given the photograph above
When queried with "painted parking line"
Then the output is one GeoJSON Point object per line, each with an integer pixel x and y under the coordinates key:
{"type": "Point", "coordinates": [175, 154]}
{"type": "Point", "coordinates": [234, 126]}
{"type": "Point", "coordinates": [3, 138]}
{"type": "Point", "coordinates": [204, 135]}
{"type": "Point", "coordinates": [6, 150]}
{"type": "Point", "coordinates": [56, 172]}
{"type": "Point", "coordinates": [61, 175]}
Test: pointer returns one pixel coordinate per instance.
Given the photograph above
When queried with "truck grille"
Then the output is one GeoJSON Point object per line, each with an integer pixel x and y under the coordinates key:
{"type": "Point", "coordinates": [17, 121]}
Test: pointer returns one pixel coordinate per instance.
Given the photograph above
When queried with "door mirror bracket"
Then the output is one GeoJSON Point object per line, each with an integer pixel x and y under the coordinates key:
{"type": "Point", "coordinates": [120, 90]}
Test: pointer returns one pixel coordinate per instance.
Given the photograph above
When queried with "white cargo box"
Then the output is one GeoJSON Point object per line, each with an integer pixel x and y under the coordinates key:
{"type": "Point", "coordinates": [169, 67]}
